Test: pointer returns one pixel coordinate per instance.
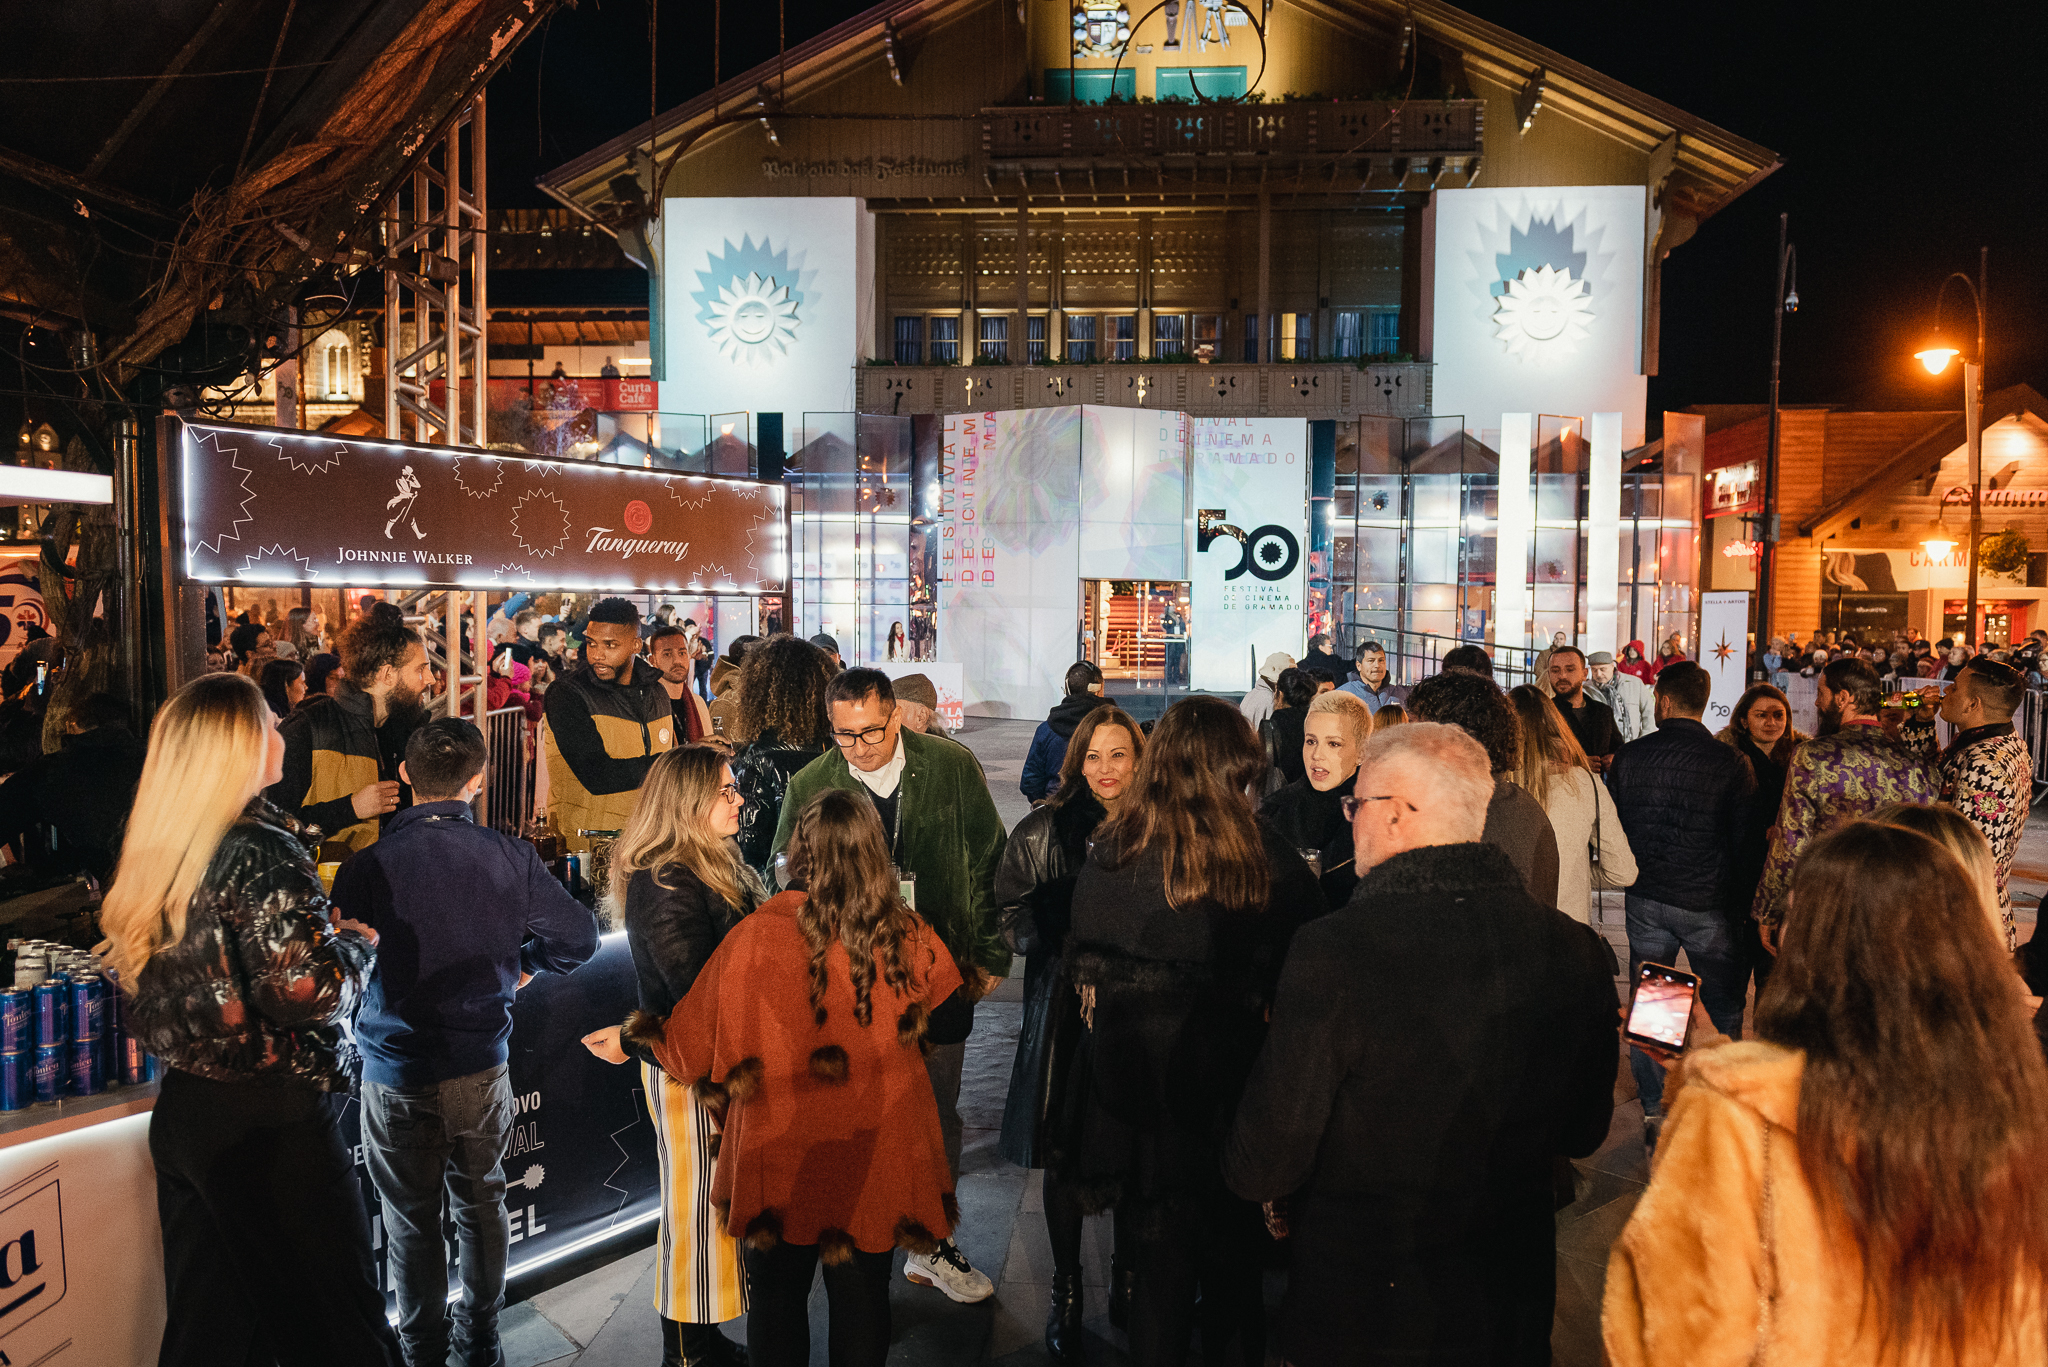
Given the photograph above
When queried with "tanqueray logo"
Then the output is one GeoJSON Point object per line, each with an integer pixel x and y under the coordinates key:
{"type": "Point", "coordinates": [751, 301]}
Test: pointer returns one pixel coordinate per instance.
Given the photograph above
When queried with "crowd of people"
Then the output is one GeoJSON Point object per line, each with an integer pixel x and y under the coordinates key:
{"type": "Point", "coordinates": [1311, 979]}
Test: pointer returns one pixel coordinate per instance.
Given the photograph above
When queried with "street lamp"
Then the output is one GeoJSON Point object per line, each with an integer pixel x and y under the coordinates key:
{"type": "Point", "coordinates": [1785, 301]}
{"type": "Point", "coordinates": [1936, 356]}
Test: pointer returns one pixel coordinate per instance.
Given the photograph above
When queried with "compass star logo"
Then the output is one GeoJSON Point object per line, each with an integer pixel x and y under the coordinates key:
{"type": "Point", "coordinates": [1722, 650]}
{"type": "Point", "coordinates": [1543, 310]}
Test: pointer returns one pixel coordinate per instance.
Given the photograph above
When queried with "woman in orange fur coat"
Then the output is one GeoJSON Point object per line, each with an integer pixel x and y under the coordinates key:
{"type": "Point", "coordinates": [806, 1027]}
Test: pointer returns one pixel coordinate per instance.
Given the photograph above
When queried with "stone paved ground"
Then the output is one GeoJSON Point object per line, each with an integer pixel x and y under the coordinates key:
{"type": "Point", "coordinates": [604, 1316]}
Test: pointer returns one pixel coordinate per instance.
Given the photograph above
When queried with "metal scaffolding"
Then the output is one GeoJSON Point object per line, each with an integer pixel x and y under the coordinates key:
{"type": "Point", "coordinates": [435, 324]}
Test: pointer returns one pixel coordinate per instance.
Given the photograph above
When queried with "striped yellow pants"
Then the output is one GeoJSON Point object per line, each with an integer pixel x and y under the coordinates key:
{"type": "Point", "coordinates": [698, 1278]}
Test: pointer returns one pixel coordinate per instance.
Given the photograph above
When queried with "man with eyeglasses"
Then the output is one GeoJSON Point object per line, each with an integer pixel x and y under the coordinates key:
{"type": "Point", "coordinates": [1436, 1043]}
{"type": "Point", "coordinates": [946, 839]}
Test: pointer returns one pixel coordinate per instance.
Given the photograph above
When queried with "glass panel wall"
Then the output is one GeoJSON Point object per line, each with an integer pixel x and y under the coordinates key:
{"type": "Point", "coordinates": [854, 506]}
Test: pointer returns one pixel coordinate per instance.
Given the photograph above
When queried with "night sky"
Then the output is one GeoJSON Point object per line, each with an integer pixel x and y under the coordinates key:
{"type": "Point", "coordinates": [1910, 137]}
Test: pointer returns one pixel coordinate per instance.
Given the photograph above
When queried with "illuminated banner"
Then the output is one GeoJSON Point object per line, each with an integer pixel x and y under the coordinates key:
{"type": "Point", "coordinates": [1724, 651]}
{"type": "Point", "coordinates": [268, 506]}
{"type": "Point", "coordinates": [1247, 584]}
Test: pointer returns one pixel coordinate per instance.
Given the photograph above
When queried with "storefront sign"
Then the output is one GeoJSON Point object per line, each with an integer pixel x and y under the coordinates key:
{"type": "Point", "coordinates": [265, 506]}
{"type": "Point", "coordinates": [1249, 478]}
{"type": "Point", "coordinates": [21, 605]}
{"type": "Point", "coordinates": [572, 394]}
{"type": "Point", "coordinates": [1724, 652]}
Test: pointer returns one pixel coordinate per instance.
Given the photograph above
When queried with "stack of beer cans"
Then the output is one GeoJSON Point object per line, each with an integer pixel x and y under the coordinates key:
{"type": "Point", "coordinates": [60, 1029]}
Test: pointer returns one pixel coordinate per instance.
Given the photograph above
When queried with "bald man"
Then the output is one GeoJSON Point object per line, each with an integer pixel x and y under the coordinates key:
{"type": "Point", "coordinates": [1436, 1042]}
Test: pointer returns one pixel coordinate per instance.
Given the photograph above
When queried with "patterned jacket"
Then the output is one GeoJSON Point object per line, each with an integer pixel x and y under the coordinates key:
{"type": "Point", "coordinates": [1988, 776]}
{"type": "Point", "coordinates": [1833, 780]}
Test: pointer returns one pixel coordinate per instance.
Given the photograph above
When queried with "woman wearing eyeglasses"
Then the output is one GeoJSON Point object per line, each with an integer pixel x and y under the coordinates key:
{"type": "Point", "coordinates": [677, 871]}
{"type": "Point", "coordinates": [1181, 918]}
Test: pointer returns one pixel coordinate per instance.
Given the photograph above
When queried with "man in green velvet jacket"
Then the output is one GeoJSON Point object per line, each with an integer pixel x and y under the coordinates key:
{"type": "Point", "coordinates": [942, 828]}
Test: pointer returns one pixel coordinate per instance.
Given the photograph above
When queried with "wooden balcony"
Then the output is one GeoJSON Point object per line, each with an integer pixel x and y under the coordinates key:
{"type": "Point", "coordinates": [1427, 136]}
{"type": "Point", "coordinates": [1281, 389]}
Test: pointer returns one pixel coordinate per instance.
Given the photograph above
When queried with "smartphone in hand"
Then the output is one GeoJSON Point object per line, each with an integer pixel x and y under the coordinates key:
{"type": "Point", "coordinates": [1662, 1008]}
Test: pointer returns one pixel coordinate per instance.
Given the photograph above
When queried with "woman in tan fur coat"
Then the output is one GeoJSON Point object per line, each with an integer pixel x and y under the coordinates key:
{"type": "Point", "coordinates": [1866, 1182]}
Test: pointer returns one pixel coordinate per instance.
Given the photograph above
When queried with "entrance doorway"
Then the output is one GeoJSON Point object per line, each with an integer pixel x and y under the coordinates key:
{"type": "Point", "coordinates": [1136, 632]}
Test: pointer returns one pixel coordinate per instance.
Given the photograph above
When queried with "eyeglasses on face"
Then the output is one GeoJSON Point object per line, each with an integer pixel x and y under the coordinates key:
{"type": "Point", "coordinates": [731, 793]}
{"type": "Point", "coordinates": [1350, 805]}
{"type": "Point", "coordinates": [872, 736]}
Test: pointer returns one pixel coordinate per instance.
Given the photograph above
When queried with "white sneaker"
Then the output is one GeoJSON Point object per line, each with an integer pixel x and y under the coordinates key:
{"type": "Point", "coordinates": [950, 1272]}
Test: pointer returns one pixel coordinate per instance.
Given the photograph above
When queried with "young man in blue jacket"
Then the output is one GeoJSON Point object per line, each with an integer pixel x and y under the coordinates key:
{"type": "Point", "coordinates": [465, 916]}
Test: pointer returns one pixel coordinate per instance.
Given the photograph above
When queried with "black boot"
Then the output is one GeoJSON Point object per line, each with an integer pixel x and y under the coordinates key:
{"type": "Point", "coordinates": [1120, 1277]}
{"type": "Point", "coordinates": [698, 1345]}
{"type": "Point", "coordinates": [1063, 1319]}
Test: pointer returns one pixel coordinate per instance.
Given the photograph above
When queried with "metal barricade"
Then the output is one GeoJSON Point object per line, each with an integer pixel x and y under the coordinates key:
{"type": "Point", "coordinates": [508, 772]}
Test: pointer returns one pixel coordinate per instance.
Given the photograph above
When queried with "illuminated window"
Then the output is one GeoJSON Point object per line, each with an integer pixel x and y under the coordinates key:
{"type": "Point", "coordinates": [909, 339]}
{"type": "Point", "coordinates": [1123, 337]}
{"type": "Point", "coordinates": [945, 339]}
{"type": "Point", "coordinates": [1081, 338]}
{"type": "Point", "coordinates": [995, 338]}
{"type": "Point", "coordinates": [1169, 335]}
{"type": "Point", "coordinates": [1206, 335]}
{"type": "Point", "coordinates": [1732, 485]}
{"type": "Point", "coordinates": [1034, 340]}
{"type": "Point", "coordinates": [1383, 334]}
{"type": "Point", "coordinates": [1350, 335]}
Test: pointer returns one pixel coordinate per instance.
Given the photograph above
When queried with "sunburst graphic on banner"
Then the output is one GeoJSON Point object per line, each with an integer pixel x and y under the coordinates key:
{"type": "Point", "coordinates": [233, 531]}
{"type": "Point", "coordinates": [313, 457]}
{"type": "Point", "coordinates": [679, 488]}
{"type": "Point", "coordinates": [511, 571]}
{"type": "Point", "coordinates": [714, 574]}
{"type": "Point", "coordinates": [1722, 650]}
{"type": "Point", "coordinates": [482, 478]}
{"type": "Point", "coordinates": [1543, 310]}
{"type": "Point", "coordinates": [540, 523]}
{"type": "Point", "coordinates": [277, 564]}
{"type": "Point", "coordinates": [540, 469]}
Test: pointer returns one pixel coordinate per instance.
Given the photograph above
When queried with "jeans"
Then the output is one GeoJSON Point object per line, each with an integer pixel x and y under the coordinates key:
{"type": "Point", "coordinates": [266, 1244]}
{"type": "Point", "coordinates": [418, 1141]}
{"type": "Point", "coordinates": [778, 1307]}
{"type": "Point", "coordinates": [1656, 932]}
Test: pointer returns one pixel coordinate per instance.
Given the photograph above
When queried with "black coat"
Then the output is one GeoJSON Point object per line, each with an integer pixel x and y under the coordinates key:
{"type": "Point", "coordinates": [1034, 893]}
{"type": "Point", "coordinates": [671, 932]}
{"type": "Point", "coordinates": [762, 770]}
{"type": "Point", "coordinates": [1682, 797]}
{"type": "Point", "coordinates": [1753, 837]}
{"type": "Point", "coordinates": [82, 793]}
{"type": "Point", "coordinates": [1281, 735]}
{"type": "Point", "coordinates": [1434, 1045]}
{"type": "Point", "coordinates": [1180, 1013]}
{"type": "Point", "coordinates": [1310, 820]}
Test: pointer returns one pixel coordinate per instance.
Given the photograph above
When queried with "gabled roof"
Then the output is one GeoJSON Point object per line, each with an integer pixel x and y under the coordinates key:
{"type": "Point", "coordinates": [1921, 456]}
{"type": "Point", "coordinates": [1708, 166]}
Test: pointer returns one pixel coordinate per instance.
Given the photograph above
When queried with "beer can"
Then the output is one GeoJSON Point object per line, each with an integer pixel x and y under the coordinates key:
{"type": "Point", "coordinates": [17, 1081]}
{"type": "Point", "coordinates": [53, 1064]}
{"type": "Point", "coordinates": [62, 983]}
{"type": "Point", "coordinates": [46, 1004]}
{"type": "Point", "coordinates": [88, 1008]}
{"type": "Point", "coordinates": [17, 1021]}
{"type": "Point", "coordinates": [134, 1061]}
{"type": "Point", "coordinates": [85, 1067]}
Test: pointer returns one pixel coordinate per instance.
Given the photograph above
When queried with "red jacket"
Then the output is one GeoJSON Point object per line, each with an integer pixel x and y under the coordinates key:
{"type": "Point", "coordinates": [831, 1134]}
{"type": "Point", "coordinates": [1640, 667]}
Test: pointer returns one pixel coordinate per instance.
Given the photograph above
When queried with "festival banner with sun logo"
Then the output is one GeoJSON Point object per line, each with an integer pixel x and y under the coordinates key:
{"type": "Point", "coordinates": [766, 304]}
{"type": "Point", "coordinates": [1538, 304]}
{"type": "Point", "coordinates": [268, 506]}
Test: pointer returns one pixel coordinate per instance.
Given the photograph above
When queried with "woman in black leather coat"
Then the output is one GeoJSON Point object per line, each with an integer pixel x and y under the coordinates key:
{"type": "Point", "coordinates": [779, 727]}
{"type": "Point", "coordinates": [1034, 894]}
{"type": "Point", "coordinates": [683, 885]}
{"type": "Point", "coordinates": [217, 925]}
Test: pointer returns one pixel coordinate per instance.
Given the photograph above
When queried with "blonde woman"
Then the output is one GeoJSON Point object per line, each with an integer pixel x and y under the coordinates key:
{"type": "Point", "coordinates": [1308, 811]}
{"type": "Point", "coordinates": [677, 871]}
{"type": "Point", "coordinates": [1592, 849]}
{"type": "Point", "coordinates": [218, 929]}
{"type": "Point", "coordinates": [1390, 714]}
{"type": "Point", "coordinates": [1954, 832]}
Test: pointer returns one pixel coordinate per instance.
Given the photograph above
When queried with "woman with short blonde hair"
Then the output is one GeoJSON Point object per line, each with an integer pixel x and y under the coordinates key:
{"type": "Point", "coordinates": [217, 926]}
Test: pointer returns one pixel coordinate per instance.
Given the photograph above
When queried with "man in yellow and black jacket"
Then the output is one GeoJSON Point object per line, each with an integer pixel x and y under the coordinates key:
{"type": "Point", "coordinates": [605, 724]}
{"type": "Point", "coordinates": [341, 752]}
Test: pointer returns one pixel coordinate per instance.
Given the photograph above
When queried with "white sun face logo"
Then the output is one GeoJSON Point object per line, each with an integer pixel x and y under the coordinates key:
{"type": "Point", "coordinates": [1544, 310]}
{"type": "Point", "coordinates": [753, 319]}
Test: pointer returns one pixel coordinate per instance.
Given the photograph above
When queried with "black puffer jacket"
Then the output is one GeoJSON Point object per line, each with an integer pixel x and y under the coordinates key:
{"type": "Point", "coordinates": [671, 932]}
{"type": "Point", "coordinates": [259, 986]}
{"type": "Point", "coordinates": [1035, 903]}
{"type": "Point", "coordinates": [761, 771]}
{"type": "Point", "coordinates": [1682, 797]}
